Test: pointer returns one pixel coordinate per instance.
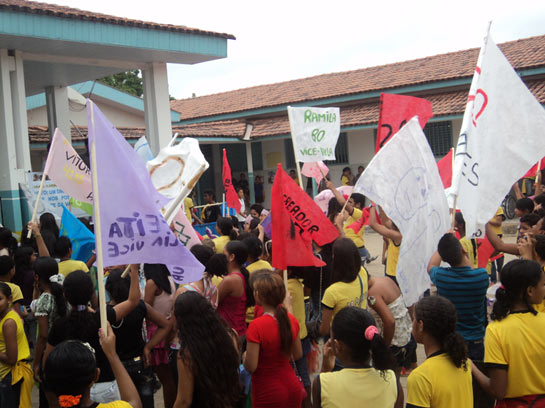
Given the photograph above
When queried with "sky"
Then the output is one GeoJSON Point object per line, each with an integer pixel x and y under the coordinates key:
{"type": "Point", "coordinates": [284, 40]}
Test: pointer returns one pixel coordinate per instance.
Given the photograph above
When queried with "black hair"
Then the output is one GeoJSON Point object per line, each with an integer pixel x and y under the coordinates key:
{"type": "Point", "coordinates": [358, 199]}
{"type": "Point", "coordinates": [210, 193]}
{"type": "Point", "coordinates": [48, 223]}
{"type": "Point", "coordinates": [225, 226]}
{"type": "Point", "coordinates": [28, 242]}
{"type": "Point", "coordinates": [516, 277]}
{"type": "Point", "coordinates": [272, 291]}
{"type": "Point", "coordinates": [7, 240]}
{"type": "Point", "coordinates": [117, 286]}
{"type": "Point", "coordinates": [208, 348]}
{"type": "Point", "coordinates": [62, 246]}
{"type": "Point", "coordinates": [5, 289]}
{"type": "Point", "coordinates": [254, 245]}
{"type": "Point", "coordinates": [459, 219]}
{"type": "Point", "coordinates": [438, 315]}
{"type": "Point", "coordinates": [235, 221]}
{"type": "Point", "coordinates": [22, 258]}
{"type": "Point", "coordinates": [78, 290]}
{"type": "Point", "coordinates": [530, 219]}
{"type": "Point", "coordinates": [347, 169]}
{"type": "Point", "coordinates": [6, 264]}
{"type": "Point", "coordinates": [217, 265]}
{"type": "Point", "coordinates": [240, 251]}
{"type": "Point", "coordinates": [159, 274]}
{"type": "Point", "coordinates": [333, 208]}
{"type": "Point", "coordinates": [257, 207]}
{"type": "Point", "coordinates": [540, 199]}
{"type": "Point", "coordinates": [346, 260]}
{"type": "Point", "coordinates": [70, 369]}
{"type": "Point", "coordinates": [540, 246]}
{"type": "Point", "coordinates": [349, 326]}
{"type": "Point", "coordinates": [45, 267]}
{"type": "Point", "coordinates": [202, 253]}
{"type": "Point", "coordinates": [525, 204]}
{"type": "Point", "coordinates": [450, 250]}
{"type": "Point", "coordinates": [254, 223]}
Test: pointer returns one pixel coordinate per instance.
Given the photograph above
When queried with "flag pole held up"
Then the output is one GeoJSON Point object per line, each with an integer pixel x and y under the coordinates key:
{"type": "Point", "coordinates": [37, 203]}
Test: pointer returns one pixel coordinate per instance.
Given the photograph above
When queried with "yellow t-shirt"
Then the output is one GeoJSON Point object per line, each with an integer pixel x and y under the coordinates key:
{"type": "Point", "coordinates": [349, 232]}
{"type": "Point", "coordinates": [540, 307]}
{"type": "Point", "coordinates": [438, 383]}
{"type": "Point", "coordinates": [71, 265]}
{"type": "Point", "coordinates": [188, 205]}
{"type": "Point", "coordinates": [23, 352]}
{"type": "Point", "coordinates": [497, 230]}
{"type": "Point", "coordinates": [342, 294]}
{"type": "Point", "coordinates": [256, 266]}
{"type": "Point", "coordinates": [115, 404]}
{"type": "Point", "coordinates": [518, 341]}
{"type": "Point", "coordinates": [16, 293]}
{"type": "Point", "coordinates": [392, 258]}
{"type": "Point", "coordinates": [345, 181]}
{"type": "Point", "coordinates": [297, 293]}
{"type": "Point", "coordinates": [220, 243]}
{"type": "Point", "coordinates": [358, 387]}
{"type": "Point", "coordinates": [473, 255]}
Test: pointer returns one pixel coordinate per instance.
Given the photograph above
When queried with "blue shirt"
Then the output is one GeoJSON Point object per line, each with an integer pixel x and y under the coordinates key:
{"type": "Point", "coordinates": [466, 289]}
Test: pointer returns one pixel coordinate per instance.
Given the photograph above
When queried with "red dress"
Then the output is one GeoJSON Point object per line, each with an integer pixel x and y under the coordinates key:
{"type": "Point", "coordinates": [274, 383]}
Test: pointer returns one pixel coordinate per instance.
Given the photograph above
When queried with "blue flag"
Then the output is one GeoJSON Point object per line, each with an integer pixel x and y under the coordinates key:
{"type": "Point", "coordinates": [83, 240]}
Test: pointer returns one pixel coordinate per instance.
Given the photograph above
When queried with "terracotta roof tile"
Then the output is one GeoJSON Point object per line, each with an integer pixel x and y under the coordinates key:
{"type": "Point", "coordinates": [523, 54]}
{"type": "Point", "coordinates": [39, 134]}
{"type": "Point", "coordinates": [34, 7]}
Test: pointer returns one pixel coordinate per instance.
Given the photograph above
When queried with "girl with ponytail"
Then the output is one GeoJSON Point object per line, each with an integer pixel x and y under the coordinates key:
{"type": "Point", "coordinates": [227, 233]}
{"type": "Point", "coordinates": [444, 379]}
{"type": "Point", "coordinates": [273, 339]}
{"type": "Point", "coordinates": [234, 293]}
{"type": "Point", "coordinates": [515, 339]}
{"type": "Point", "coordinates": [367, 378]}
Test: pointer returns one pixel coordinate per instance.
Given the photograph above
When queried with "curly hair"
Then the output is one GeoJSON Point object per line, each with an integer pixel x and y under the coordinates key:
{"type": "Point", "coordinates": [208, 348]}
{"type": "Point", "coordinates": [516, 277]}
{"type": "Point", "coordinates": [439, 317]}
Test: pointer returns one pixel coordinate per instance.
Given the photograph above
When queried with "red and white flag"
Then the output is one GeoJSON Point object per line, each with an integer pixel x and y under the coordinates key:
{"type": "Point", "coordinates": [445, 168]}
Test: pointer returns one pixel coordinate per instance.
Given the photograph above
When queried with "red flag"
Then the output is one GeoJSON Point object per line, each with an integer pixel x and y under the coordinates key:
{"type": "Point", "coordinates": [296, 222]}
{"type": "Point", "coordinates": [395, 111]}
{"type": "Point", "coordinates": [484, 252]}
{"type": "Point", "coordinates": [364, 220]}
{"type": "Point", "coordinates": [445, 169]}
{"type": "Point", "coordinates": [231, 196]}
{"type": "Point", "coordinates": [533, 171]}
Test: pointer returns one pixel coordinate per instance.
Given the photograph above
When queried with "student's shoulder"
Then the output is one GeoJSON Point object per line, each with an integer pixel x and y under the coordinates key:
{"type": "Point", "coordinates": [115, 404]}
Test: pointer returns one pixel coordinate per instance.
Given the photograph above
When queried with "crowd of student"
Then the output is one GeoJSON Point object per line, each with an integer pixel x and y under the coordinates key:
{"type": "Point", "coordinates": [242, 336]}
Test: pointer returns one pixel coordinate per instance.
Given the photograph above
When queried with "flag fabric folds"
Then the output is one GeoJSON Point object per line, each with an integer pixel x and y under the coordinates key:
{"type": "Point", "coordinates": [66, 168]}
{"type": "Point", "coordinates": [133, 229]}
{"type": "Point", "coordinates": [500, 139]}
{"type": "Point", "coordinates": [296, 222]}
{"type": "Point", "coordinates": [395, 111]}
{"type": "Point", "coordinates": [317, 170]}
{"type": "Point", "coordinates": [83, 240]}
{"type": "Point", "coordinates": [184, 230]}
{"type": "Point", "coordinates": [411, 193]}
{"type": "Point", "coordinates": [535, 168]}
{"type": "Point", "coordinates": [231, 196]}
{"type": "Point", "coordinates": [445, 168]}
{"type": "Point", "coordinates": [142, 148]}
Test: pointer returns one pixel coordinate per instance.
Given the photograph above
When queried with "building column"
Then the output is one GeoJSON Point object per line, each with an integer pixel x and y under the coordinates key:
{"type": "Point", "coordinates": [14, 150]}
{"type": "Point", "coordinates": [250, 163]}
{"type": "Point", "coordinates": [56, 98]}
{"type": "Point", "coordinates": [157, 106]}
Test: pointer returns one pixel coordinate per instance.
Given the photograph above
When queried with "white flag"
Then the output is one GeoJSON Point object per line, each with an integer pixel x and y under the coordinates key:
{"type": "Point", "coordinates": [177, 167]}
{"type": "Point", "coordinates": [68, 170]}
{"type": "Point", "coordinates": [403, 179]}
{"type": "Point", "coordinates": [500, 139]}
{"type": "Point", "coordinates": [184, 230]}
{"type": "Point", "coordinates": [142, 148]}
{"type": "Point", "coordinates": [315, 132]}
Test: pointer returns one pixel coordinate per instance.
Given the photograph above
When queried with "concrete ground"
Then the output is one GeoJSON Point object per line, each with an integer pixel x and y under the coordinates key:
{"type": "Point", "coordinates": [373, 242]}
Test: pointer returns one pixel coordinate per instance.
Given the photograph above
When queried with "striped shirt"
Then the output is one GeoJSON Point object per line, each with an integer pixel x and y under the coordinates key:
{"type": "Point", "coordinates": [466, 289]}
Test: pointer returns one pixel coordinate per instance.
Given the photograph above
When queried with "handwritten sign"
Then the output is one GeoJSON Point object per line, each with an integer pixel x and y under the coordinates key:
{"type": "Point", "coordinates": [315, 132]}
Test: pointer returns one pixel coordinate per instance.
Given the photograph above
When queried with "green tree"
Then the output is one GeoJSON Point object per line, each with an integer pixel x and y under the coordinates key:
{"type": "Point", "coordinates": [129, 81]}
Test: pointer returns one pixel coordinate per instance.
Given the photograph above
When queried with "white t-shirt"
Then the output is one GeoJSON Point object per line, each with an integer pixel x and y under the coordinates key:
{"type": "Point", "coordinates": [241, 218]}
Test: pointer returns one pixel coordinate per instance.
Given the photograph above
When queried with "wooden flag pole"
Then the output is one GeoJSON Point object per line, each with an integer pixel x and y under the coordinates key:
{"type": "Point", "coordinates": [224, 207]}
{"type": "Point", "coordinates": [35, 211]}
{"type": "Point", "coordinates": [98, 230]}
{"type": "Point", "coordinates": [537, 180]}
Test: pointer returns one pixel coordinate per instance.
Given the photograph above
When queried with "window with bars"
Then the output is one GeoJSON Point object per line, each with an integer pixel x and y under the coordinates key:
{"type": "Point", "coordinates": [257, 156]}
{"type": "Point", "coordinates": [439, 136]}
{"type": "Point", "coordinates": [341, 150]}
{"type": "Point", "coordinates": [288, 153]}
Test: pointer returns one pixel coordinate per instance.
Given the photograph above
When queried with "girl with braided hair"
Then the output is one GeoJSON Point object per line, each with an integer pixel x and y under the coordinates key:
{"type": "Point", "coordinates": [367, 378]}
{"type": "Point", "coordinates": [444, 379]}
{"type": "Point", "coordinates": [515, 339]}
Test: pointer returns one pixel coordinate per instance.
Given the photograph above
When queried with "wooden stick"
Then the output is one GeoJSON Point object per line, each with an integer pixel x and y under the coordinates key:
{"type": "Point", "coordinates": [98, 230]}
{"type": "Point", "coordinates": [286, 279]}
{"type": "Point", "coordinates": [345, 202]}
{"type": "Point", "coordinates": [224, 208]}
{"type": "Point", "coordinates": [35, 211]}
{"type": "Point", "coordinates": [126, 271]}
{"type": "Point", "coordinates": [537, 172]}
{"type": "Point", "coordinates": [206, 205]}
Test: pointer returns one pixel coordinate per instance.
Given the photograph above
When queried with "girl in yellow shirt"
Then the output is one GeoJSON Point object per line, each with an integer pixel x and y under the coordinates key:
{"type": "Point", "coordinates": [515, 339]}
{"type": "Point", "coordinates": [367, 379]}
{"type": "Point", "coordinates": [227, 233]}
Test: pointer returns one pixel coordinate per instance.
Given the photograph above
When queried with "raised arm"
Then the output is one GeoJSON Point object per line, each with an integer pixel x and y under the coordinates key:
{"type": "Point", "coordinates": [498, 244]}
{"type": "Point", "coordinates": [42, 249]}
{"type": "Point", "coordinates": [339, 196]}
{"type": "Point", "coordinates": [434, 261]}
{"type": "Point", "coordinates": [124, 308]}
{"type": "Point", "coordinates": [386, 232]}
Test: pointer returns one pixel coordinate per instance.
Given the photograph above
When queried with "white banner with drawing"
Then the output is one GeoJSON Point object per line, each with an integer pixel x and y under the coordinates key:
{"type": "Point", "coordinates": [315, 132]}
{"type": "Point", "coordinates": [404, 180]}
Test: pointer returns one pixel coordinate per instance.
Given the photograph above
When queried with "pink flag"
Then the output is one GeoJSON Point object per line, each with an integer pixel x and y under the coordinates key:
{"type": "Point", "coordinates": [184, 230]}
{"type": "Point", "coordinates": [318, 170]}
{"type": "Point", "coordinates": [67, 170]}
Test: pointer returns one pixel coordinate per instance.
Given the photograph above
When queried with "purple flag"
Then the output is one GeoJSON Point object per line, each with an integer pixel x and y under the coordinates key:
{"type": "Point", "coordinates": [133, 229]}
